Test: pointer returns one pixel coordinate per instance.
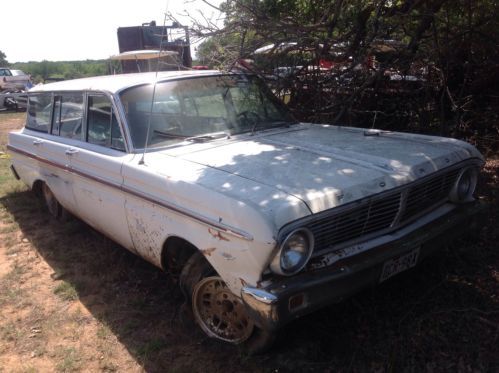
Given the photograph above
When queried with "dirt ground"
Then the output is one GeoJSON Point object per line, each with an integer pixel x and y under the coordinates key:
{"type": "Point", "coordinates": [71, 300]}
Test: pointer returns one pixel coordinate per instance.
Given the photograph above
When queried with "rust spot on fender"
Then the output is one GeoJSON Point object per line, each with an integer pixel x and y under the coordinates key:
{"type": "Point", "coordinates": [207, 252]}
{"type": "Point", "coordinates": [217, 234]}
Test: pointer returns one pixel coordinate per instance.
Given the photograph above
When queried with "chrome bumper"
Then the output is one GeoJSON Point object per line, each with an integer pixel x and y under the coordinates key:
{"type": "Point", "coordinates": [288, 298]}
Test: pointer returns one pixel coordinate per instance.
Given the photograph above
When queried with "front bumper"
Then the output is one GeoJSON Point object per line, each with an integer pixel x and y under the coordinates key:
{"type": "Point", "coordinates": [288, 298]}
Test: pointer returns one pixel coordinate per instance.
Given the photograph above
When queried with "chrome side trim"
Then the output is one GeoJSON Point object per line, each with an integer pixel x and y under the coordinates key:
{"type": "Point", "coordinates": [259, 294]}
{"type": "Point", "coordinates": [199, 218]}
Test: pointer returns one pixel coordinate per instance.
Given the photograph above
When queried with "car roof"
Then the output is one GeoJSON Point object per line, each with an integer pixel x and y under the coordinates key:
{"type": "Point", "coordinates": [115, 83]}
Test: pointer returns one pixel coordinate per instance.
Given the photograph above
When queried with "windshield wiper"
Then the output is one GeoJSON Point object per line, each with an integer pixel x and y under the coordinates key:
{"type": "Point", "coordinates": [207, 137]}
{"type": "Point", "coordinates": [197, 138]}
{"type": "Point", "coordinates": [170, 135]}
{"type": "Point", "coordinates": [270, 125]}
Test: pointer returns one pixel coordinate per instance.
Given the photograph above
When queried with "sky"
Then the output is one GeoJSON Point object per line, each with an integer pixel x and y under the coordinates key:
{"type": "Point", "coordinates": [68, 30]}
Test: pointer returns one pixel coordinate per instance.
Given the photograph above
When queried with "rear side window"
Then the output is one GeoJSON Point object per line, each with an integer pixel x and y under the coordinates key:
{"type": "Point", "coordinates": [68, 115]}
{"type": "Point", "coordinates": [102, 125]}
{"type": "Point", "coordinates": [39, 112]}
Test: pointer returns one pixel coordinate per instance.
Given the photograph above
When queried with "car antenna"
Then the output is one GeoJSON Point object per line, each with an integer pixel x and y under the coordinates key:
{"type": "Point", "coordinates": [142, 160]}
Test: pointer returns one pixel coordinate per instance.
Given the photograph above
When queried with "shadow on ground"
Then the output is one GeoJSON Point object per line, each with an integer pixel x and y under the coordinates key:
{"type": "Point", "coordinates": [442, 316]}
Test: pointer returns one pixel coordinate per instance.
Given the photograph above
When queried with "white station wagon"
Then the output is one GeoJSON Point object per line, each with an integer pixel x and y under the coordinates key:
{"type": "Point", "coordinates": [261, 218]}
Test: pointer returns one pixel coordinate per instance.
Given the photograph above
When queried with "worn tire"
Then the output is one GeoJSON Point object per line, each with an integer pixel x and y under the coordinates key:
{"type": "Point", "coordinates": [53, 206]}
{"type": "Point", "coordinates": [195, 270]}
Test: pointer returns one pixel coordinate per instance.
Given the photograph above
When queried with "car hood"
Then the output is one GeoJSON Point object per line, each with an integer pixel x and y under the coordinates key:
{"type": "Point", "coordinates": [327, 166]}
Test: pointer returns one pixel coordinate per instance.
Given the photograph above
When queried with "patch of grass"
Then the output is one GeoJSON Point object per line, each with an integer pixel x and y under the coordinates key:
{"type": "Point", "coordinates": [66, 291]}
{"type": "Point", "coordinates": [10, 332]}
{"type": "Point", "coordinates": [15, 273]}
{"type": "Point", "coordinates": [138, 303]}
{"type": "Point", "coordinates": [9, 228]}
{"type": "Point", "coordinates": [103, 332]}
{"type": "Point", "coordinates": [76, 316]}
{"type": "Point", "coordinates": [129, 326]}
{"type": "Point", "coordinates": [39, 351]}
{"type": "Point", "coordinates": [13, 249]}
{"type": "Point", "coordinates": [9, 241]}
{"type": "Point", "coordinates": [11, 295]}
{"type": "Point", "coordinates": [8, 184]}
{"type": "Point", "coordinates": [108, 366]}
{"type": "Point", "coordinates": [28, 369]}
{"type": "Point", "coordinates": [8, 219]}
{"type": "Point", "coordinates": [151, 347]}
{"type": "Point", "coordinates": [69, 359]}
{"type": "Point", "coordinates": [10, 290]}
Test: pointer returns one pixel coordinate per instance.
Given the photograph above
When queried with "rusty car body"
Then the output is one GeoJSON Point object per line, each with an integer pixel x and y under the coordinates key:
{"type": "Point", "coordinates": [263, 219]}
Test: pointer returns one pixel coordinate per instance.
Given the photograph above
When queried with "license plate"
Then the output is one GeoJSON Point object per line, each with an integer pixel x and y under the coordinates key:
{"type": "Point", "coordinates": [400, 264]}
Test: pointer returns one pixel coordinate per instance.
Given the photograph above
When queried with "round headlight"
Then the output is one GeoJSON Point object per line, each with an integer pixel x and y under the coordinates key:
{"type": "Point", "coordinates": [294, 252]}
{"type": "Point", "coordinates": [464, 187]}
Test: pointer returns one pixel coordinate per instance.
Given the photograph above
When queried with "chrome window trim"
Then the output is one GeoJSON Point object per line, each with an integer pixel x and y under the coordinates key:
{"type": "Point", "coordinates": [118, 93]}
{"type": "Point", "coordinates": [28, 105]}
{"type": "Point", "coordinates": [113, 100]}
{"type": "Point", "coordinates": [114, 110]}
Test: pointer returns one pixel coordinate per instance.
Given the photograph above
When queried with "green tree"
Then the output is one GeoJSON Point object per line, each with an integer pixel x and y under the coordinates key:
{"type": "Point", "coordinates": [448, 50]}
{"type": "Point", "coordinates": [3, 59]}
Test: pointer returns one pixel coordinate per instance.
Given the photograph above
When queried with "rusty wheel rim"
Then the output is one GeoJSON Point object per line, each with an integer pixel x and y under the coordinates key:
{"type": "Point", "coordinates": [219, 312]}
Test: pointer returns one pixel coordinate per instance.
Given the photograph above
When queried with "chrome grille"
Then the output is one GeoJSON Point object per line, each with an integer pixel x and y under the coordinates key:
{"type": "Point", "coordinates": [359, 221]}
{"type": "Point", "coordinates": [426, 195]}
{"type": "Point", "coordinates": [380, 213]}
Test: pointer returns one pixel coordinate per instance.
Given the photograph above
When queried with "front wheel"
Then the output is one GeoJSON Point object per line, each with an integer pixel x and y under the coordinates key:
{"type": "Point", "coordinates": [219, 312]}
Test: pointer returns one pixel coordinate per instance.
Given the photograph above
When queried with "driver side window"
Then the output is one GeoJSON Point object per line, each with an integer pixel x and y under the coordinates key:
{"type": "Point", "coordinates": [102, 124]}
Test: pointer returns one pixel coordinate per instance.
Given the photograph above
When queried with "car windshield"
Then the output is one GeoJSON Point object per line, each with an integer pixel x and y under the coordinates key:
{"type": "Point", "coordinates": [200, 109]}
{"type": "Point", "coordinates": [17, 72]}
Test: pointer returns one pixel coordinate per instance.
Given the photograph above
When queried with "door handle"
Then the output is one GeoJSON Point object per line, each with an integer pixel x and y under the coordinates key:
{"type": "Point", "coordinates": [37, 142]}
{"type": "Point", "coordinates": [71, 151]}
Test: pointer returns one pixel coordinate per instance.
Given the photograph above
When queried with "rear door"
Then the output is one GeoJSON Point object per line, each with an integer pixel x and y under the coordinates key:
{"type": "Point", "coordinates": [55, 151]}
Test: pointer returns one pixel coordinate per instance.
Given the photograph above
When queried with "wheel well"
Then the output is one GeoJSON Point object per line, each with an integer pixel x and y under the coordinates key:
{"type": "Point", "coordinates": [176, 251]}
{"type": "Point", "coordinates": [37, 187]}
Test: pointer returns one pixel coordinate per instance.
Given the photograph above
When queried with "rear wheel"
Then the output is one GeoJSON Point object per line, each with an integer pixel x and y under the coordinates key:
{"type": "Point", "coordinates": [53, 206]}
{"type": "Point", "coordinates": [219, 312]}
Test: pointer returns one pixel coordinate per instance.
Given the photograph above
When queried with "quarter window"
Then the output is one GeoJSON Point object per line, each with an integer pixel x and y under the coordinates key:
{"type": "Point", "coordinates": [102, 125]}
{"type": "Point", "coordinates": [39, 112]}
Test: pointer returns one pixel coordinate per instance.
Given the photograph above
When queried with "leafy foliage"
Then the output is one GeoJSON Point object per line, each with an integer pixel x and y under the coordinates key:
{"type": "Point", "coordinates": [41, 71]}
{"type": "Point", "coordinates": [420, 65]}
{"type": "Point", "coordinates": [3, 60]}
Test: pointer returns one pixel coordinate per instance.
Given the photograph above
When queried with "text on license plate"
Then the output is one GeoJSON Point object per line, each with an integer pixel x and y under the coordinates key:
{"type": "Point", "coordinates": [399, 264]}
